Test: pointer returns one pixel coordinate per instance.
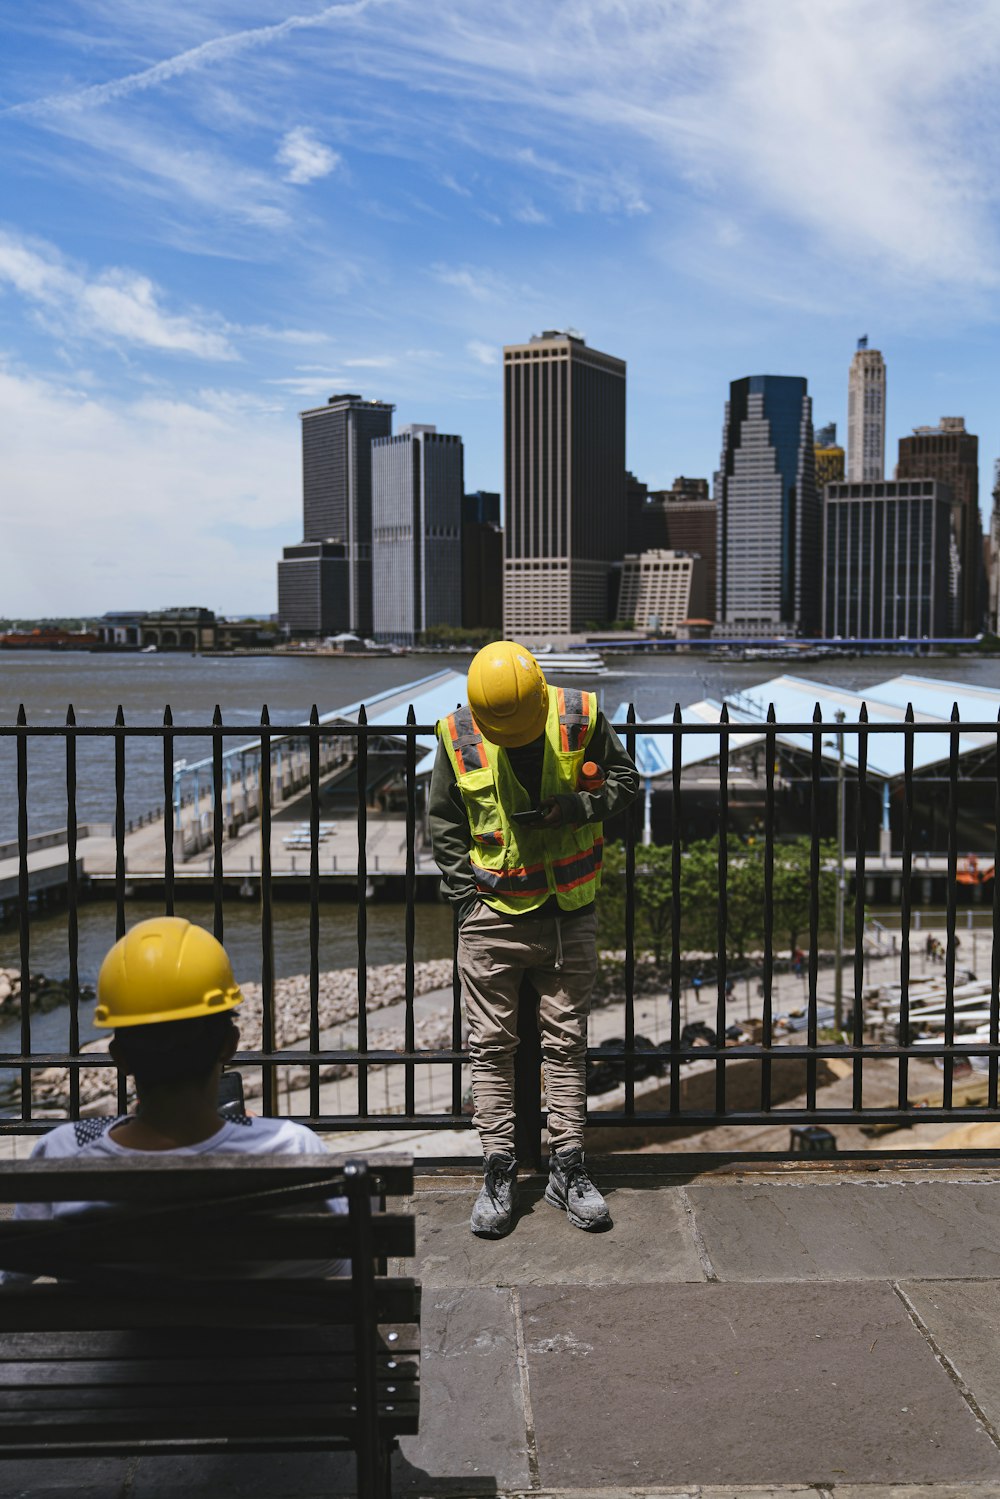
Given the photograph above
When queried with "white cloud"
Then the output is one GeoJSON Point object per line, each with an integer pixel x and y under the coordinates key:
{"type": "Point", "coordinates": [305, 157]}
{"type": "Point", "coordinates": [529, 214]}
{"type": "Point", "coordinates": [481, 285]}
{"type": "Point", "coordinates": [482, 353]}
{"type": "Point", "coordinates": [170, 488]}
{"type": "Point", "coordinates": [866, 128]}
{"type": "Point", "coordinates": [219, 49]}
{"type": "Point", "coordinates": [117, 307]}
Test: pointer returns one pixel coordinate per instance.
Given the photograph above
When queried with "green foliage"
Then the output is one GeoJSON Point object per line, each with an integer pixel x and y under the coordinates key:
{"type": "Point", "coordinates": [457, 635]}
{"type": "Point", "coordinates": [699, 899]}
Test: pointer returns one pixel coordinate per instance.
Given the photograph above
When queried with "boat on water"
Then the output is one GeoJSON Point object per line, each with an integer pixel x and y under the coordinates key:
{"type": "Point", "coordinates": [570, 663]}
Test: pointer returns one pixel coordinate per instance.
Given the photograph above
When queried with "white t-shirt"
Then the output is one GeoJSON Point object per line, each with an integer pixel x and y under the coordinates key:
{"type": "Point", "coordinates": [90, 1139]}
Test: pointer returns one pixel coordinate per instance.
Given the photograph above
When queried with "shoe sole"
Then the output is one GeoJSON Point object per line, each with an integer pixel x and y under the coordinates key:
{"type": "Point", "coordinates": [491, 1233]}
{"type": "Point", "coordinates": [588, 1226]}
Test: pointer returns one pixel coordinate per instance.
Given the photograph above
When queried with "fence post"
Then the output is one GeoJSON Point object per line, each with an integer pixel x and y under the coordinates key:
{"type": "Point", "coordinates": [528, 1081]}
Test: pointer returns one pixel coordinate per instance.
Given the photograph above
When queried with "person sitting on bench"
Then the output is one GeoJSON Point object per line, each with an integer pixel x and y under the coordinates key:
{"type": "Point", "coordinates": [168, 991]}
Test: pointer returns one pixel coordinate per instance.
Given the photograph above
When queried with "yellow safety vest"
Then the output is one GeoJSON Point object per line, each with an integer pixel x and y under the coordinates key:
{"type": "Point", "coordinates": [518, 868]}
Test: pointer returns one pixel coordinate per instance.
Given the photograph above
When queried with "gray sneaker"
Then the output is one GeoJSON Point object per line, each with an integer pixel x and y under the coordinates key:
{"type": "Point", "coordinates": [571, 1188]}
{"type": "Point", "coordinates": [493, 1214]}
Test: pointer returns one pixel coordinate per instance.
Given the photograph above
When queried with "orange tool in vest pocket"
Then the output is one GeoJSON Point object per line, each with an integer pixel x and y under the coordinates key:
{"type": "Point", "coordinates": [591, 777]}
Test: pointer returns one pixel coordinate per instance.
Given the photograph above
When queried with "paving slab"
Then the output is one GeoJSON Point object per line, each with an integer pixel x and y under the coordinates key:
{"type": "Point", "coordinates": [472, 1427]}
{"type": "Point", "coordinates": [908, 1491]}
{"type": "Point", "coordinates": [751, 1384]}
{"type": "Point", "coordinates": [963, 1319]}
{"type": "Point", "coordinates": [652, 1240]}
{"type": "Point", "coordinates": [472, 1435]}
{"type": "Point", "coordinates": [857, 1230]}
{"type": "Point", "coordinates": [56, 1477]}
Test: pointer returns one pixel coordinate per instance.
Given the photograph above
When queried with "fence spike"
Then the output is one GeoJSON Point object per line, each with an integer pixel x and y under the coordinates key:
{"type": "Point", "coordinates": [314, 714]}
{"type": "Point", "coordinates": [863, 715]}
{"type": "Point", "coordinates": [677, 713]}
{"type": "Point", "coordinates": [908, 715]}
{"type": "Point", "coordinates": [120, 717]}
{"type": "Point", "coordinates": [411, 717]}
{"type": "Point", "coordinates": [817, 715]}
{"type": "Point", "coordinates": [770, 713]}
{"type": "Point", "coordinates": [954, 713]}
{"type": "Point", "coordinates": [265, 717]}
{"type": "Point", "coordinates": [217, 718]}
{"type": "Point", "coordinates": [362, 715]}
{"type": "Point", "coordinates": [21, 718]}
{"type": "Point", "coordinates": [630, 715]}
{"type": "Point", "coordinates": [724, 715]}
{"type": "Point", "coordinates": [70, 715]}
{"type": "Point", "coordinates": [168, 717]}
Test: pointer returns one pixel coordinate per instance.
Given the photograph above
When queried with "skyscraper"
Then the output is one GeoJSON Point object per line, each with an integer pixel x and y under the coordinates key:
{"type": "Point", "coordinates": [886, 559]}
{"type": "Point", "coordinates": [482, 562]}
{"type": "Point", "coordinates": [829, 457]}
{"type": "Point", "coordinates": [949, 453]}
{"type": "Point", "coordinates": [417, 489]}
{"type": "Point", "coordinates": [564, 477]}
{"type": "Point", "coordinates": [769, 574]}
{"type": "Point", "coordinates": [336, 508]}
{"type": "Point", "coordinates": [690, 521]}
{"type": "Point", "coordinates": [866, 415]}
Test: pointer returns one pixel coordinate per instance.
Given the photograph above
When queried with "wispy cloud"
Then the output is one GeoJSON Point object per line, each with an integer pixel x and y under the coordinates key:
{"type": "Point", "coordinates": [305, 157]}
{"type": "Point", "coordinates": [118, 306]}
{"type": "Point", "coordinates": [219, 49]}
{"type": "Point", "coordinates": [483, 353]}
{"type": "Point", "coordinates": [480, 284]}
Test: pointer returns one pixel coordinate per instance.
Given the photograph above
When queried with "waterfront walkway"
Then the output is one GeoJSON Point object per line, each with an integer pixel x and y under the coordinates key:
{"type": "Point", "coordinates": [751, 1329]}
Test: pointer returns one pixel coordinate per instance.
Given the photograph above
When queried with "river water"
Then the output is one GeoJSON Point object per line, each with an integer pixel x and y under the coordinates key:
{"type": "Point", "coordinates": [47, 682]}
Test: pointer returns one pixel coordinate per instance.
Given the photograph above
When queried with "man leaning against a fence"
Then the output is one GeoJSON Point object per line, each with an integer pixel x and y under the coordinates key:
{"type": "Point", "coordinates": [517, 834]}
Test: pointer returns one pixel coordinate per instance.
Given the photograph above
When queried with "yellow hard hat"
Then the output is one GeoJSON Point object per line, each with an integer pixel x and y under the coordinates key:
{"type": "Point", "coordinates": [164, 969]}
{"type": "Point", "coordinates": [508, 694]}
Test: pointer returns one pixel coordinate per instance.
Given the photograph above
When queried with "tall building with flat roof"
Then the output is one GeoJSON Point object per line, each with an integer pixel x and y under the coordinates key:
{"type": "Point", "coordinates": [768, 575]}
{"type": "Point", "coordinates": [866, 415]}
{"type": "Point", "coordinates": [886, 560]}
{"type": "Point", "coordinates": [564, 479]}
{"type": "Point", "coordinates": [417, 490]}
{"type": "Point", "coordinates": [337, 508]}
{"type": "Point", "coordinates": [949, 453]}
{"type": "Point", "coordinates": [688, 520]}
{"type": "Point", "coordinates": [482, 562]}
{"type": "Point", "coordinates": [661, 589]}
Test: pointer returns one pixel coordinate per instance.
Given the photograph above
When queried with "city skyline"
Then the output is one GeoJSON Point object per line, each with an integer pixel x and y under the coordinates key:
{"type": "Point", "coordinates": [216, 215]}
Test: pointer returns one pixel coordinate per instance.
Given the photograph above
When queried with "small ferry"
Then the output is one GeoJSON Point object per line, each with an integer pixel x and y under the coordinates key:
{"type": "Point", "coordinates": [570, 663]}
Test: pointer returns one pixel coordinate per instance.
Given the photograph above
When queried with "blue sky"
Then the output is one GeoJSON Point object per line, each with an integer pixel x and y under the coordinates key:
{"type": "Point", "coordinates": [213, 215]}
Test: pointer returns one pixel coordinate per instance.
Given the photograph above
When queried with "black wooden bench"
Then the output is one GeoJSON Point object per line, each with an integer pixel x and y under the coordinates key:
{"type": "Point", "coordinates": [154, 1340]}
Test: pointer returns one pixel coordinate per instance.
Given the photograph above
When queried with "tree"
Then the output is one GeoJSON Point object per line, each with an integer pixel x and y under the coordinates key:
{"type": "Point", "coordinates": [699, 896]}
{"type": "Point", "coordinates": [653, 899]}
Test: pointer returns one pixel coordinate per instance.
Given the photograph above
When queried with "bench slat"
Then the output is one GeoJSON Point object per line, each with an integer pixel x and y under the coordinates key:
{"type": "Point", "coordinates": [335, 1397]}
{"type": "Point", "coordinates": [208, 1178]}
{"type": "Point", "coordinates": [190, 1342]}
{"type": "Point", "coordinates": [148, 1370]}
{"type": "Point", "coordinates": [151, 1423]}
{"type": "Point", "coordinates": [98, 1238]}
{"type": "Point", "coordinates": [55, 1308]}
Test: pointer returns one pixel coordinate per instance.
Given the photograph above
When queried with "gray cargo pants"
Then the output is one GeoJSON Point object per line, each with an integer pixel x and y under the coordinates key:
{"type": "Point", "coordinates": [560, 958]}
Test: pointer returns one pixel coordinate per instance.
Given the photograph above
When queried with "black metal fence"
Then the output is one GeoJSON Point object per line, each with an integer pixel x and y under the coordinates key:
{"type": "Point", "coordinates": [755, 1101]}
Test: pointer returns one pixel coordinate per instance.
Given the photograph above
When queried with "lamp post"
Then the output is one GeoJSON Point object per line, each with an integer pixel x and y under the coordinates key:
{"type": "Point", "coordinates": [838, 972]}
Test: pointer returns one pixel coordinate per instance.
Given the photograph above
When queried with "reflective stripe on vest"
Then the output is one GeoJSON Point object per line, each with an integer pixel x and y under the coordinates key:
{"type": "Point", "coordinates": [574, 718]}
{"type": "Point", "coordinates": [517, 869]}
{"type": "Point", "coordinates": [467, 746]}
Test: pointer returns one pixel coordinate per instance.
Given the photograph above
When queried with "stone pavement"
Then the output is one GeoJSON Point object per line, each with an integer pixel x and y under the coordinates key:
{"type": "Point", "coordinates": [752, 1329]}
